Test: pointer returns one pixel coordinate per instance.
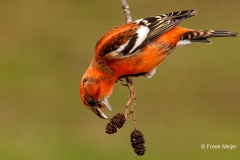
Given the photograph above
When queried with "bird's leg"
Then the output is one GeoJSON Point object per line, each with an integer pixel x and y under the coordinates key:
{"type": "Point", "coordinates": [129, 81]}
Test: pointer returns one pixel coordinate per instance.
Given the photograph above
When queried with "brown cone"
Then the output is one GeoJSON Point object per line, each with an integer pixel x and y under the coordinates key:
{"type": "Point", "coordinates": [110, 128]}
{"type": "Point", "coordinates": [116, 122]}
{"type": "Point", "coordinates": [138, 141]}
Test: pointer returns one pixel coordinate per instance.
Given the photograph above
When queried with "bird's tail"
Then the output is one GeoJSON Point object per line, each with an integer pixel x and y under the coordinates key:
{"type": "Point", "coordinates": [202, 35]}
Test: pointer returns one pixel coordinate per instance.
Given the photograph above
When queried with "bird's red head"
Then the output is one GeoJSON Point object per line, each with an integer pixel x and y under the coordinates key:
{"type": "Point", "coordinates": [95, 93]}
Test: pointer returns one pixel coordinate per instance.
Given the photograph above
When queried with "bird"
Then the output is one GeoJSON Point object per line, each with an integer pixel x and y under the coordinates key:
{"type": "Point", "coordinates": [136, 49]}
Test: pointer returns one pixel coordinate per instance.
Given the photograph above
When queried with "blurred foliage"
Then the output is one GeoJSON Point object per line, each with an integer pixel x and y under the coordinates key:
{"type": "Point", "coordinates": [45, 48]}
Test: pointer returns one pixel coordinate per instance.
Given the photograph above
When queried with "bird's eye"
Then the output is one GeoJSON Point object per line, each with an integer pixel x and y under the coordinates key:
{"type": "Point", "coordinates": [90, 103]}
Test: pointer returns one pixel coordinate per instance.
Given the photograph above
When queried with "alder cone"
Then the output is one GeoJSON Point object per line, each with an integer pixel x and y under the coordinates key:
{"type": "Point", "coordinates": [110, 128]}
{"type": "Point", "coordinates": [138, 141]}
{"type": "Point", "coordinates": [116, 122]}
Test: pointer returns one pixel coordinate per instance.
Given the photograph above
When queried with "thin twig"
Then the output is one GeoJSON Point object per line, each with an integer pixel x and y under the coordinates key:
{"type": "Point", "coordinates": [129, 81]}
{"type": "Point", "coordinates": [128, 103]}
{"type": "Point", "coordinates": [134, 117]}
{"type": "Point", "coordinates": [131, 101]}
{"type": "Point", "coordinates": [126, 10]}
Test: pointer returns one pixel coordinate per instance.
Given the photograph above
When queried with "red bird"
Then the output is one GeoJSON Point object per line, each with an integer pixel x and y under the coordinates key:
{"type": "Point", "coordinates": [136, 48]}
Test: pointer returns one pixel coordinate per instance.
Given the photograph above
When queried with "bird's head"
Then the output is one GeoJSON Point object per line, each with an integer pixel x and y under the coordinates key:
{"type": "Point", "coordinates": [95, 94]}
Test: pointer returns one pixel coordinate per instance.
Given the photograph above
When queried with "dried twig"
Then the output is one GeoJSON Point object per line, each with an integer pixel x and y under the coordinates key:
{"type": "Point", "coordinates": [126, 10]}
{"type": "Point", "coordinates": [129, 81]}
{"type": "Point", "coordinates": [132, 91]}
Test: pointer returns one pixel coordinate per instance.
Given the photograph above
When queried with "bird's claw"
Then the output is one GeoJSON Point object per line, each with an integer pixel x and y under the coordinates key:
{"type": "Point", "coordinates": [119, 79]}
{"type": "Point", "coordinates": [124, 84]}
{"type": "Point", "coordinates": [129, 80]}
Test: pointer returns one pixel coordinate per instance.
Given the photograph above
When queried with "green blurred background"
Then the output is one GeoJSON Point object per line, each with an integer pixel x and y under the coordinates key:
{"type": "Point", "coordinates": [45, 48]}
